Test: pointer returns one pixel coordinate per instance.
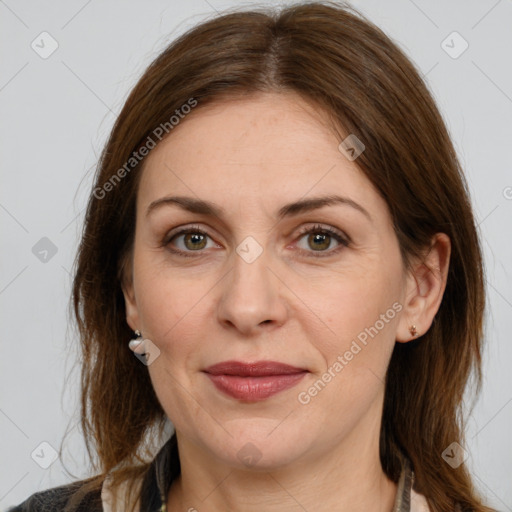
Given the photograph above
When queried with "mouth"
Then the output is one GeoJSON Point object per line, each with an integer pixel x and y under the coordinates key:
{"type": "Point", "coordinates": [253, 382]}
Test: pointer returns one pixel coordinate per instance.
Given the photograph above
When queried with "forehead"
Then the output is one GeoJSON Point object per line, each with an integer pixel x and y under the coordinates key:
{"type": "Point", "coordinates": [266, 148]}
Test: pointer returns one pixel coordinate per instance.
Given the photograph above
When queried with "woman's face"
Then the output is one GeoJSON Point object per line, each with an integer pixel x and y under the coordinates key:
{"type": "Point", "coordinates": [268, 276]}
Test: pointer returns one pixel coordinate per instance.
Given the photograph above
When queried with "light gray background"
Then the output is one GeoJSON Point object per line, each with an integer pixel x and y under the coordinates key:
{"type": "Point", "coordinates": [55, 116]}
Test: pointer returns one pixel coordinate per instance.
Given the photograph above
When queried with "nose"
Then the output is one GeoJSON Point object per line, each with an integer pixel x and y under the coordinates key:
{"type": "Point", "coordinates": [252, 298]}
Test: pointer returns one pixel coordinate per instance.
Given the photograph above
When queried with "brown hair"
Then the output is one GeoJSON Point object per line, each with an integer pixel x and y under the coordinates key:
{"type": "Point", "coordinates": [349, 68]}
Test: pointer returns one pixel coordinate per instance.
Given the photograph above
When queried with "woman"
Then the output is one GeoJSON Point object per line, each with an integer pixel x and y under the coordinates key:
{"type": "Point", "coordinates": [280, 231]}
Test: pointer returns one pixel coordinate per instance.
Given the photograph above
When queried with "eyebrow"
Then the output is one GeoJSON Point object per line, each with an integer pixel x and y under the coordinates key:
{"type": "Point", "coordinates": [200, 206]}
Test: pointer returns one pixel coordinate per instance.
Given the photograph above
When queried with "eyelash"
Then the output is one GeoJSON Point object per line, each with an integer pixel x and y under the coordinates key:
{"type": "Point", "coordinates": [344, 241]}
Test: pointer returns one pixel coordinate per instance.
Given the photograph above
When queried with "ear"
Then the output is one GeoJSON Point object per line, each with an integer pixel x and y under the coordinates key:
{"type": "Point", "coordinates": [425, 285]}
{"type": "Point", "coordinates": [132, 312]}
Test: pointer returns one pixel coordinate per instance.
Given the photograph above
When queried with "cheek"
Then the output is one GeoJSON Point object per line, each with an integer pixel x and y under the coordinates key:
{"type": "Point", "coordinates": [172, 313]}
{"type": "Point", "coordinates": [355, 351]}
{"type": "Point", "coordinates": [361, 306]}
{"type": "Point", "coordinates": [168, 302]}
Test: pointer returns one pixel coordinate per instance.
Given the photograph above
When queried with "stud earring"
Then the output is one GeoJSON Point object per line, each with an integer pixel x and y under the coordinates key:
{"type": "Point", "coordinates": [413, 330]}
{"type": "Point", "coordinates": [135, 342]}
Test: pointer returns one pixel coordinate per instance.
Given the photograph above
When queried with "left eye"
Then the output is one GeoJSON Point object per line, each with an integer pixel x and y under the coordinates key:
{"type": "Point", "coordinates": [319, 239]}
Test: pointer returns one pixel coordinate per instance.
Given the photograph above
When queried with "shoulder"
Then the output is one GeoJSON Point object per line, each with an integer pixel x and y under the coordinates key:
{"type": "Point", "coordinates": [74, 497]}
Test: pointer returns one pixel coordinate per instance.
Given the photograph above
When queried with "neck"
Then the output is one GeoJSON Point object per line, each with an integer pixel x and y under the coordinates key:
{"type": "Point", "coordinates": [347, 478]}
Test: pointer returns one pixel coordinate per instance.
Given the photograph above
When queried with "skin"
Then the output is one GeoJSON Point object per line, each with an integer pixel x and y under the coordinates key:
{"type": "Point", "coordinates": [251, 156]}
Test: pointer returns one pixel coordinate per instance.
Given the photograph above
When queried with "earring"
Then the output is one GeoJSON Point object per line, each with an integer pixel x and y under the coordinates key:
{"type": "Point", "coordinates": [135, 342]}
{"type": "Point", "coordinates": [413, 330]}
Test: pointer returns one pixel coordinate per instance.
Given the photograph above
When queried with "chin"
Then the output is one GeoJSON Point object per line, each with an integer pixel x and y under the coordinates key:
{"type": "Point", "coordinates": [263, 447]}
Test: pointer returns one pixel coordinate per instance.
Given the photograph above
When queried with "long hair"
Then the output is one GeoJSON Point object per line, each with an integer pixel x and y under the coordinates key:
{"type": "Point", "coordinates": [334, 57]}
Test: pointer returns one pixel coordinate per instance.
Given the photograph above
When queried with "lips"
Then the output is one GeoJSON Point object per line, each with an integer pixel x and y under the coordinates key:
{"type": "Point", "coordinates": [253, 381]}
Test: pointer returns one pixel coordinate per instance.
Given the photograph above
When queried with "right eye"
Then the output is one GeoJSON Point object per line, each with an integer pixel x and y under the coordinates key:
{"type": "Point", "coordinates": [188, 240]}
